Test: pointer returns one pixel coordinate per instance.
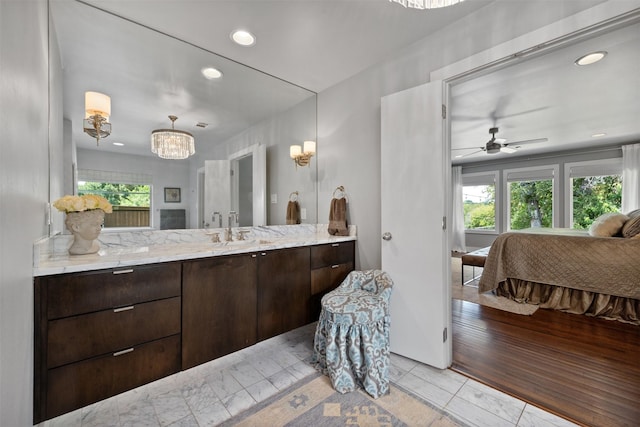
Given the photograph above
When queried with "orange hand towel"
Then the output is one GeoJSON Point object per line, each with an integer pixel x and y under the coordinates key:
{"type": "Point", "coordinates": [338, 218]}
{"type": "Point", "coordinates": [293, 213]}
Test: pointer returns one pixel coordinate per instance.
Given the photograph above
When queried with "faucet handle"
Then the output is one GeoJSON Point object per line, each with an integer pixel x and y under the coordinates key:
{"type": "Point", "coordinates": [242, 234]}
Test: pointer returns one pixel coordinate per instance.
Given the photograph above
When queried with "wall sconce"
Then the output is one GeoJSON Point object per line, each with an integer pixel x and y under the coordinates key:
{"type": "Point", "coordinates": [97, 108]}
{"type": "Point", "coordinates": [301, 156]}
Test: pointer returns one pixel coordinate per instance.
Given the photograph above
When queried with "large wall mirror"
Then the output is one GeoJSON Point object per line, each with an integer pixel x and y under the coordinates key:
{"type": "Point", "coordinates": [245, 118]}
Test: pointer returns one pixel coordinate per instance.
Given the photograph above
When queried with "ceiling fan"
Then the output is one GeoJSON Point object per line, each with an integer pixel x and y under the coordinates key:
{"type": "Point", "coordinates": [497, 145]}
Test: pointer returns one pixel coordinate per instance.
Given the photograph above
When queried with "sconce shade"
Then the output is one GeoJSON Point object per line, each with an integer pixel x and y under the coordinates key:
{"type": "Point", "coordinates": [309, 147]}
{"type": "Point", "coordinates": [171, 143]}
{"type": "Point", "coordinates": [97, 107]}
{"type": "Point", "coordinates": [295, 151]}
{"type": "Point", "coordinates": [96, 103]}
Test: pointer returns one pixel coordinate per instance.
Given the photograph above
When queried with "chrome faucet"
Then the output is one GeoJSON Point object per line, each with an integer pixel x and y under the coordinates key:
{"type": "Point", "coordinates": [233, 217]}
{"type": "Point", "coordinates": [213, 218]}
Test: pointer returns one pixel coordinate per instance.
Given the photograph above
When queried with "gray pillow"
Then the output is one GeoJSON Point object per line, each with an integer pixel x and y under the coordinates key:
{"type": "Point", "coordinates": [631, 227]}
{"type": "Point", "coordinates": [634, 214]}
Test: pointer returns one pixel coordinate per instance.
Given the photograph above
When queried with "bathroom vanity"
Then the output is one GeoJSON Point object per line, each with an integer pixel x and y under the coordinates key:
{"type": "Point", "coordinates": [134, 313]}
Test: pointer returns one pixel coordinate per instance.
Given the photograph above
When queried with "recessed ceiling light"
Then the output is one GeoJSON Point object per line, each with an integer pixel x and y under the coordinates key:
{"type": "Point", "coordinates": [591, 58]}
{"type": "Point", "coordinates": [119, 144]}
{"type": "Point", "coordinates": [598, 135]}
{"type": "Point", "coordinates": [243, 38]}
{"type": "Point", "coordinates": [211, 73]}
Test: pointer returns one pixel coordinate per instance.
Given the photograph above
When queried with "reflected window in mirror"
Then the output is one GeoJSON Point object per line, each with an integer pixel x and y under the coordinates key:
{"type": "Point", "coordinates": [130, 196]}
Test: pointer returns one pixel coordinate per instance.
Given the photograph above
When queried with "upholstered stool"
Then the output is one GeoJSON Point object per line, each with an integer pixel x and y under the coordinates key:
{"type": "Point", "coordinates": [351, 343]}
{"type": "Point", "coordinates": [474, 259]}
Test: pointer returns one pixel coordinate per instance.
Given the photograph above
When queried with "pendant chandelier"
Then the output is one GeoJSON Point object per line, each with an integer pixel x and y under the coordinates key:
{"type": "Point", "coordinates": [426, 4]}
{"type": "Point", "coordinates": [172, 143]}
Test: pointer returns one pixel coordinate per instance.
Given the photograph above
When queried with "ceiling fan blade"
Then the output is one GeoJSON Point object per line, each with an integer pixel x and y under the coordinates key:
{"type": "Point", "coordinates": [508, 150]}
{"type": "Point", "coordinates": [467, 148]}
{"type": "Point", "coordinates": [468, 154]}
{"type": "Point", "coordinates": [527, 141]}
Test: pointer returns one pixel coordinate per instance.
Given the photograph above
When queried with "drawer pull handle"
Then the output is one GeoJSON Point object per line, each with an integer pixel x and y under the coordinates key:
{"type": "Point", "coordinates": [120, 353]}
{"type": "Point", "coordinates": [263, 253]}
{"type": "Point", "coordinates": [335, 245]}
{"type": "Point", "coordinates": [253, 255]}
{"type": "Point", "coordinates": [130, 270]}
{"type": "Point", "coordinates": [335, 266]}
{"type": "Point", "coordinates": [118, 310]}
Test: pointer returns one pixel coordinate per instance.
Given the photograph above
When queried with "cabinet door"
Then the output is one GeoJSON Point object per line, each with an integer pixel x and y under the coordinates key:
{"type": "Point", "coordinates": [283, 291]}
{"type": "Point", "coordinates": [219, 307]}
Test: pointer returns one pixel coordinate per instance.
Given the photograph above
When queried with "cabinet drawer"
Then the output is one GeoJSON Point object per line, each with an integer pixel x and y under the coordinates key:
{"type": "Point", "coordinates": [73, 386]}
{"type": "Point", "coordinates": [78, 293]}
{"type": "Point", "coordinates": [328, 278]}
{"type": "Point", "coordinates": [80, 337]}
{"type": "Point", "coordinates": [331, 254]}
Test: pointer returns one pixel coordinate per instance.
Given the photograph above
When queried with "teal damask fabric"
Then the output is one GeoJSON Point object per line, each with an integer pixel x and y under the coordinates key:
{"type": "Point", "coordinates": [351, 343]}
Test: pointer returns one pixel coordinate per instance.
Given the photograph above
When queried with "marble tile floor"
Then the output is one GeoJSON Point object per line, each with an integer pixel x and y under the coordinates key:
{"type": "Point", "coordinates": [216, 391]}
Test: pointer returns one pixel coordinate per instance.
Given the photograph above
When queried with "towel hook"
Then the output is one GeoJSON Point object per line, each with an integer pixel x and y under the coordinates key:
{"type": "Point", "coordinates": [342, 194]}
{"type": "Point", "coordinates": [293, 197]}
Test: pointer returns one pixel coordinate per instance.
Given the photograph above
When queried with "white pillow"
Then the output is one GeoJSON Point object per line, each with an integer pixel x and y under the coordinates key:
{"type": "Point", "coordinates": [607, 225]}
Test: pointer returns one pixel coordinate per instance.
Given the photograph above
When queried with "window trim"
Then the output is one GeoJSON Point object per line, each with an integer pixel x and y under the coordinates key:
{"type": "Point", "coordinates": [486, 178]}
{"type": "Point", "coordinates": [600, 167]}
{"type": "Point", "coordinates": [532, 173]}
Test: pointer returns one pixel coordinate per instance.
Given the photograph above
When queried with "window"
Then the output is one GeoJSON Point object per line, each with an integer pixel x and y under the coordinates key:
{"type": "Point", "coordinates": [594, 188]}
{"type": "Point", "coordinates": [130, 195]}
{"type": "Point", "coordinates": [530, 197]}
{"type": "Point", "coordinates": [479, 201]}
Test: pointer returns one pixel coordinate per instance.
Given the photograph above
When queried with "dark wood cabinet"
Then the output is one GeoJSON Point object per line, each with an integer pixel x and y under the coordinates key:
{"type": "Point", "coordinates": [330, 264]}
{"type": "Point", "coordinates": [219, 307]}
{"type": "Point", "coordinates": [283, 291]}
{"type": "Point", "coordinates": [100, 333]}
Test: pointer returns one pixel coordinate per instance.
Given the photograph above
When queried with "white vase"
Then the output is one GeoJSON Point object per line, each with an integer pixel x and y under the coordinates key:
{"type": "Point", "coordinates": [85, 227]}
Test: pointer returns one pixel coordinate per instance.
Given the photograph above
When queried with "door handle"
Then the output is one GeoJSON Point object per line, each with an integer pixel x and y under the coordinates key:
{"type": "Point", "coordinates": [386, 236]}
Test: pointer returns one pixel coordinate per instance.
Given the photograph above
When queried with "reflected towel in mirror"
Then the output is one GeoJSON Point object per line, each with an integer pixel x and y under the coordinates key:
{"type": "Point", "coordinates": [293, 212]}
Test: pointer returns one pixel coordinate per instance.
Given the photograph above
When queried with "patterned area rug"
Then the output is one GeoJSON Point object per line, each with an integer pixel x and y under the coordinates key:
{"type": "Point", "coordinates": [313, 402]}
{"type": "Point", "coordinates": [469, 292]}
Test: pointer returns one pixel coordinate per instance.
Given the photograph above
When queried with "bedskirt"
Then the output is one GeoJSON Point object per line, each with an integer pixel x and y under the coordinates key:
{"type": "Point", "coordinates": [571, 300]}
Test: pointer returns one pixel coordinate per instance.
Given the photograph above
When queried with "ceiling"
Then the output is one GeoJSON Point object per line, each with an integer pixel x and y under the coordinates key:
{"type": "Point", "coordinates": [550, 97]}
{"type": "Point", "coordinates": [313, 44]}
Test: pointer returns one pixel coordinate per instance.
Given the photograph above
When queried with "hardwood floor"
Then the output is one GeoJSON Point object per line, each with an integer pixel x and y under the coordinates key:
{"type": "Point", "coordinates": [581, 368]}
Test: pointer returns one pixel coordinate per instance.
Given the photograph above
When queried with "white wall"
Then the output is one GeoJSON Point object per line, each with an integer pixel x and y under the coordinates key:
{"type": "Point", "coordinates": [165, 173]}
{"type": "Point", "coordinates": [24, 192]}
{"type": "Point", "coordinates": [349, 113]}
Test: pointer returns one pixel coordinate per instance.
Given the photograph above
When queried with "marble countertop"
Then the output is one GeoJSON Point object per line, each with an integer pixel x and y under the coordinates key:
{"type": "Point", "coordinates": [155, 246]}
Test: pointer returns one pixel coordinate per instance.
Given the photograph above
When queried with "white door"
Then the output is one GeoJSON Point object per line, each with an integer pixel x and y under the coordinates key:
{"type": "Point", "coordinates": [217, 190]}
{"type": "Point", "coordinates": [259, 183]}
{"type": "Point", "coordinates": [415, 173]}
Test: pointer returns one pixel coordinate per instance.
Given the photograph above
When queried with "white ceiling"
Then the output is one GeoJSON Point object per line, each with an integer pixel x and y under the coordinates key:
{"type": "Point", "coordinates": [314, 44]}
{"type": "Point", "coordinates": [550, 97]}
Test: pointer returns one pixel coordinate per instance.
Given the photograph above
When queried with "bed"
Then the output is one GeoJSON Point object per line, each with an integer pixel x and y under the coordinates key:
{"type": "Point", "coordinates": [567, 270]}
